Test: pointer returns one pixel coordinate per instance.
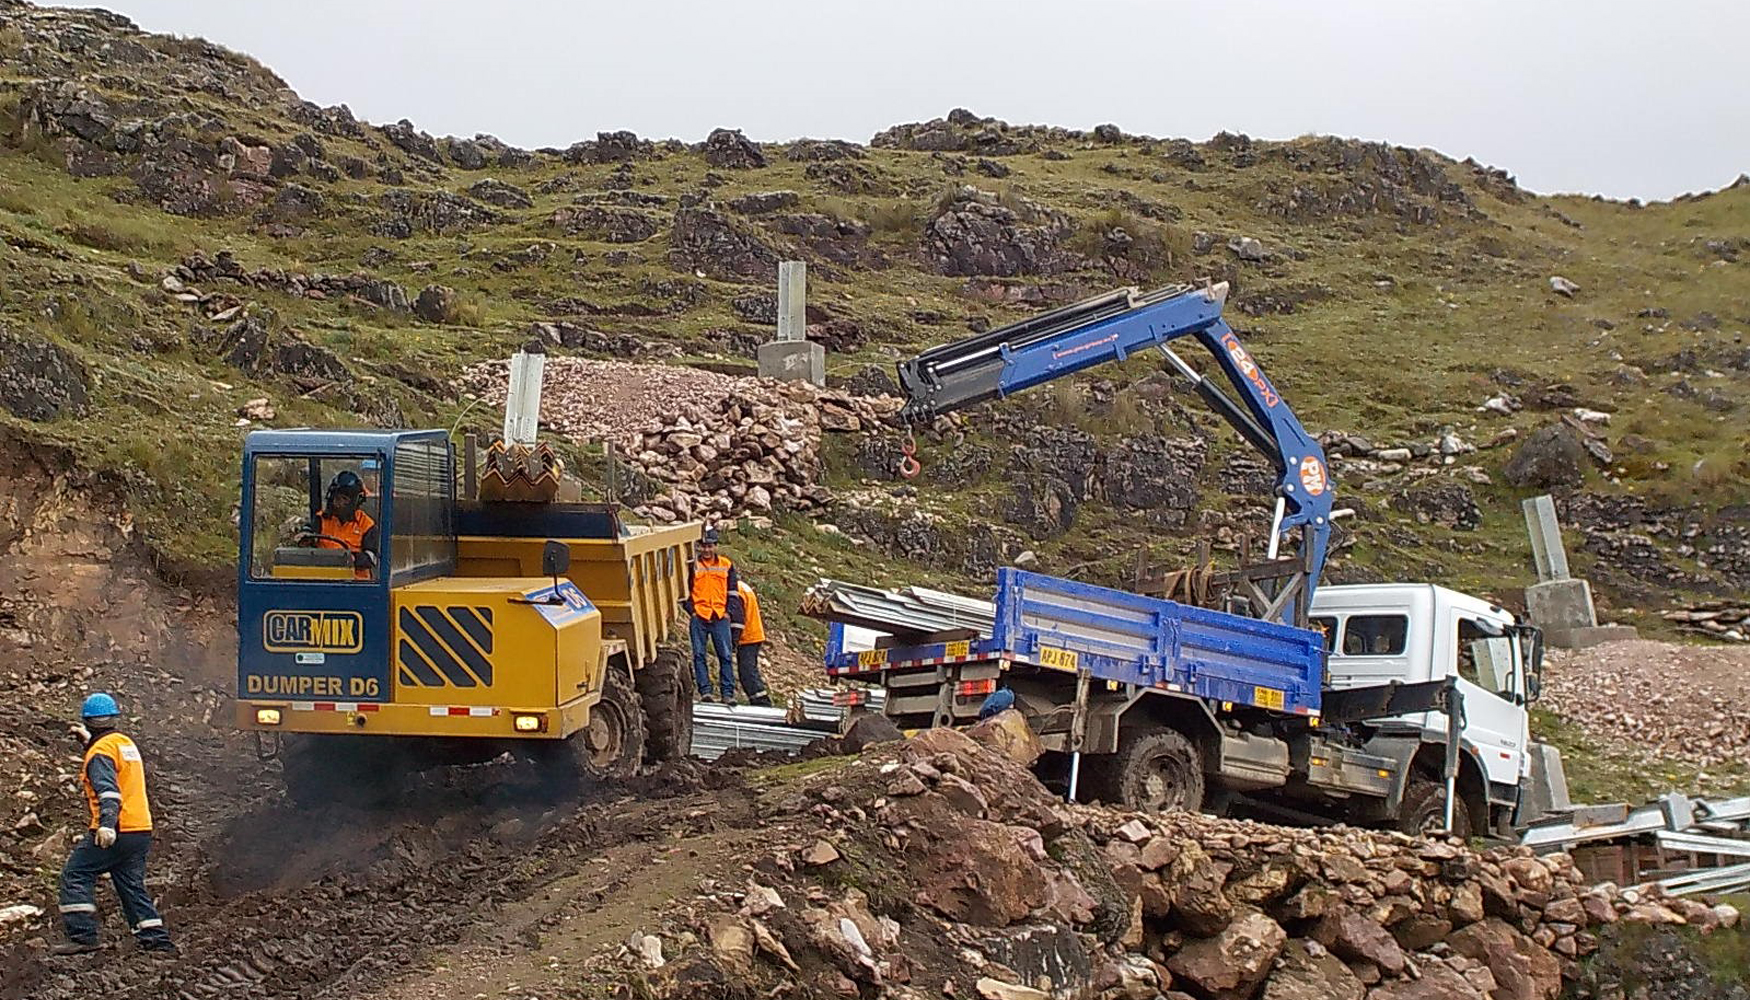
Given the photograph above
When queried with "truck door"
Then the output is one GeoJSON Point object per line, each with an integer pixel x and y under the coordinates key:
{"type": "Point", "coordinates": [312, 609]}
{"type": "Point", "coordinates": [1490, 677]}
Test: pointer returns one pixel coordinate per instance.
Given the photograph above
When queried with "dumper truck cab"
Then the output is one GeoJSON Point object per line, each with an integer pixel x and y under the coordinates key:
{"type": "Point", "coordinates": [444, 630]}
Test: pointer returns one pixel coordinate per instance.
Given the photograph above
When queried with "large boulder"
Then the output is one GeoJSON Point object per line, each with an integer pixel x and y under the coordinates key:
{"type": "Point", "coordinates": [1230, 965]}
{"type": "Point", "coordinates": [978, 233]}
{"type": "Point", "coordinates": [1440, 501]}
{"type": "Point", "coordinates": [705, 240]}
{"type": "Point", "coordinates": [496, 192]}
{"type": "Point", "coordinates": [435, 304]}
{"type": "Point", "coordinates": [1306, 971]}
{"type": "Point", "coordinates": [1553, 457]}
{"type": "Point", "coordinates": [729, 148]}
{"type": "Point", "coordinates": [1356, 937]}
{"type": "Point", "coordinates": [1522, 969]}
{"type": "Point", "coordinates": [40, 380]}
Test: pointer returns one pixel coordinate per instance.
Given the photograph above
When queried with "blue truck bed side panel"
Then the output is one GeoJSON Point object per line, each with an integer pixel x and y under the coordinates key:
{"type": "Point", "coordinates": [1130, 639]}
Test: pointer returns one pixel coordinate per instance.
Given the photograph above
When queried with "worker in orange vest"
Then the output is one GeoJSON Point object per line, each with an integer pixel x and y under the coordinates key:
{"type": "Point", "coordinates": [710, 580]}
{"type": "Point", "coordinates": [343, 525]}
{"type": "Point", "coordinates": [750, 635]}
{"type": "Point", "coordinates": [119, 837]}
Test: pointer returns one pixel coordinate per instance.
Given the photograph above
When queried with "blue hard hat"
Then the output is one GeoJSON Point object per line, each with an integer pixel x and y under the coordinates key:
{"type": "Point", "coordinates": [99, 706]}
{"type": "Point", "coordinates": [709, 537]}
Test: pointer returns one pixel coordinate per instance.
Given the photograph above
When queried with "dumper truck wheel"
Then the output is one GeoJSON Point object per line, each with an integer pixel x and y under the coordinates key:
{"type": "Point", "coordinates": [361, 772]}
{"type": "Point", "coordinates": [665, 690]}
{"type": "Point", "coordinates": [1154, 770]}
{"type": "Point", "coordinates": [611, 746]}
{"type": "Point", "coordinates": [1423, 810]}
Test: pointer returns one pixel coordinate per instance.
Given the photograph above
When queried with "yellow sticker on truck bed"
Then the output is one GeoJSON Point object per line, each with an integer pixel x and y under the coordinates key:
{"type": "Point", "coordinates": [959, 648]}
{"type": "Point", "coordinates": [871, 657]}
{"type": "Point", "coordinates": [1264, 697]}
{"type": "Point", "coordinates": [1062, 659]}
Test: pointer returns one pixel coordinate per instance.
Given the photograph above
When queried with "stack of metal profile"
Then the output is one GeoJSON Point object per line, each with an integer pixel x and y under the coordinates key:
{"type": "Point", "coordinates": [721, 728]}
{"type": "Point", "coordinates": [906, 611]}
{"type": "Point", "coordinates": [1676, 824]}
{"type": "Point", "coordinates": [826, 705]}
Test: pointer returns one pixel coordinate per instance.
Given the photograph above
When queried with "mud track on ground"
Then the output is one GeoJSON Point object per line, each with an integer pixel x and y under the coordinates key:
{"type": "Point", "coordinates": [279, 903]}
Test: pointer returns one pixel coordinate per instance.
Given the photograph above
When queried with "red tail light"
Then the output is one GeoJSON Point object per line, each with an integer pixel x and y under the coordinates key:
{"type": "Point", "coordinates": [969, 688]}
{"type": "Point", "coordinates": [845, 699]}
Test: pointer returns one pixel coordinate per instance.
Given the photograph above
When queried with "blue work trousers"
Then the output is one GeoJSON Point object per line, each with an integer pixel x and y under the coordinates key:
{"type": "Point", "coordinates": [717, 631]}
{"type": "Point", "coordinates": [125, 864]}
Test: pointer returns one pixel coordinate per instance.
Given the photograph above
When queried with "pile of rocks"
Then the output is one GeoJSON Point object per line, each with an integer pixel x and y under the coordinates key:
{"type": "Point", "coordinates": [939, 866]}
{"type": "Point", "coordinates": [223, 266]}
{"type": "Point", "coordinates": [1714, 618]}
{"type": "Point", "coordinates": [715, 446]}
{"type": "Point", "coordinates": [1672, 701]}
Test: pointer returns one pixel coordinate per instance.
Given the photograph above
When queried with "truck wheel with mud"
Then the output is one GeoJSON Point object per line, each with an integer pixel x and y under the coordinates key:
{"type": "Point", "coordinates": [611, 746]}
{"type": "Point", "coordinates": [666, 691]}
{"type": "Point", "coordinates": [1423, 810]}
{"type": "Point", "coordinates": [1154, 770]}
{"type": "Point", "coordinates": [358, 771]}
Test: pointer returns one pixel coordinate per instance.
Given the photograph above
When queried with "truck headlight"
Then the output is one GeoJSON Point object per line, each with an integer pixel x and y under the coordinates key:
{"type": "Point", "coordinates": [529, 723]}
{"type": "Point", "coordinates": [267, 716]}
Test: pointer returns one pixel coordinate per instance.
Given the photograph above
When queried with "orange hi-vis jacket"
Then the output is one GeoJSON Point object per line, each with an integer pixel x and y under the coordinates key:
{"type": "Point", "coordinates": [121, 776]}
{"type": "Point", "coordinates": [351, 532]}
{"type": "Point", "coordinates": [752, 629]}
{"type": "Point", "coordinates": [711, 584]}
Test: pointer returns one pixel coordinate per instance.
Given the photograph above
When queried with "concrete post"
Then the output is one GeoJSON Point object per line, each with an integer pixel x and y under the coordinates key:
{"type": "Point", "coordinates": [1558, 603]}
{"type": "Point", "coordinates": [793, 357]}
{"type": "Point", "coordinates": [793, 300]}
{"type": "Point", "coordinates": [1546, 539]}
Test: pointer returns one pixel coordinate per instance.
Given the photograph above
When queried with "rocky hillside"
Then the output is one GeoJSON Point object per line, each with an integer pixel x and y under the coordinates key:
{"type": "Point", "coordinates": [188, 249]}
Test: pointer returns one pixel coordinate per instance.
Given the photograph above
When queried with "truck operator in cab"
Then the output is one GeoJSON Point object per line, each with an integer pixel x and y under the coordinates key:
{"type": "Point", "coordinates": [343, 525]}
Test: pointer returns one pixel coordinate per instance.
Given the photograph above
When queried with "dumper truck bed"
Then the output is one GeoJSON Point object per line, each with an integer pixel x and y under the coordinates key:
{"type": "Point", "coordinates": [1049, 623]}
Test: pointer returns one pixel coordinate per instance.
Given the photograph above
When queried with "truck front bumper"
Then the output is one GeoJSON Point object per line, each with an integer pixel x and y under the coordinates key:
{"type": "Point", "coordinates": [383, 719]}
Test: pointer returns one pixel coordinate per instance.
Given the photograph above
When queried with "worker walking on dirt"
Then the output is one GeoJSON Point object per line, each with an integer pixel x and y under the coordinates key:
{"type": "Point", "coordinates": [750, 635]}
{"type": "Point", "coordinates": [119, 839]}
{"type": "Point", "coordinates": [710, 580]}
{"type": "Point", "coordinates": [342, 524]}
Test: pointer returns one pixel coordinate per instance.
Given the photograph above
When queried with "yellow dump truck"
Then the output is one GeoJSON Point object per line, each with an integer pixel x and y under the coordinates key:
{"type": "Point", "coordinates": [384, 625]}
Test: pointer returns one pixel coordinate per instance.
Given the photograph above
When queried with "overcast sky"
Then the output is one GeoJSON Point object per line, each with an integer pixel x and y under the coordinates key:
{"type": "Point", "coordinates": [1627, 99]}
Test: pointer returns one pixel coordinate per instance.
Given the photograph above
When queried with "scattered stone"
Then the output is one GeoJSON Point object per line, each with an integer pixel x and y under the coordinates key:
{"type": "Point", "coordinates": [1563, 287]}
{"type": "Point", "coordinates": [819, 853]}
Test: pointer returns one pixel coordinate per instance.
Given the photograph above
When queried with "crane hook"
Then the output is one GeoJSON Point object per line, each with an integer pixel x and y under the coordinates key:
{"type": "Point", "coordinates": [908, 464]}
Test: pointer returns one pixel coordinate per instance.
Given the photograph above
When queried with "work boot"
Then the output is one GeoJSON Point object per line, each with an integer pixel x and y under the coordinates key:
{"type": "Point", "coordinates": [707, 698]}
{"type": "Point", "coordinates": [761, 700]}
{"type": "Point", "coordinates": [73, 947]}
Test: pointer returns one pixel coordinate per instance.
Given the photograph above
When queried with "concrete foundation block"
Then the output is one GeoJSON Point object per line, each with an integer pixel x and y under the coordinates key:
{"type": "Point", "coordinates": [1560, 604]}
{"type": "Point", "coordinates": [1588, 635]}
{"type": "Point", "coordinates": [793, 361]}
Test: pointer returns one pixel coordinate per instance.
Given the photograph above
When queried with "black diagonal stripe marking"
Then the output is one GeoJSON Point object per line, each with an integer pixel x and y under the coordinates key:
{"type": "Point", "coordinates": [455, 643]}
{"type": "Point", "coordinates": [477, 630]}
{"type": "Point", "coordinates": [414, 663]}
{"type": "Point", "coordinates": [407, 678]}
{"type": "Point", "coordinates": [434, 651]}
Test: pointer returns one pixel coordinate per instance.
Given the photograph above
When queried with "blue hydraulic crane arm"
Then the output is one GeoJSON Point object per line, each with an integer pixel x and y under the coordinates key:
{"type": "Point", "coordinates": [1115, 326]}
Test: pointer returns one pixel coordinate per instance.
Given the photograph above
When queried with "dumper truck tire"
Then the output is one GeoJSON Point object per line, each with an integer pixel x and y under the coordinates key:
{"type": "Point", "coordinates": [1154, 770]}
{"type": "Point", "coordinates": [611, 745]}
{"type": "Point", "coordinates": [361, 772]}
{"type": "Point", "coordinates": [666, 691]}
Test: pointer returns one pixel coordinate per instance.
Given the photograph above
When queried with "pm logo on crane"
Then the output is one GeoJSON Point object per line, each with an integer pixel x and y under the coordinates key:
{"type": "Point", "coordinates": [1249, 368]}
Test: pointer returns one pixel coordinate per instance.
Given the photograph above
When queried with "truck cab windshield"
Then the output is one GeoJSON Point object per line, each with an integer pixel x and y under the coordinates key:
{"type": "Point", "coordinates": [315, 518]}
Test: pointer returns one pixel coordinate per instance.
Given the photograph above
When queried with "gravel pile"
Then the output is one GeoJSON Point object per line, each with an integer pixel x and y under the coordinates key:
{"type": "Point", "coordinates": [1672, 701]}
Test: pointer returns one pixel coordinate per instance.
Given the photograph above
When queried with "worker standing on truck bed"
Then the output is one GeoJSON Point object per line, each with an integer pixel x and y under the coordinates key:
{"type": "Point", "coordinates": [750, 635]}
{"type": "Point", "coordinates": [710, 580]}
{"type": "Point", "coordinates": [120, 837]}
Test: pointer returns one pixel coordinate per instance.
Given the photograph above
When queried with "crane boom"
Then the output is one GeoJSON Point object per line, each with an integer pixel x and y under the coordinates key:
{"type": "Point", "coordinates": [1115, 326]}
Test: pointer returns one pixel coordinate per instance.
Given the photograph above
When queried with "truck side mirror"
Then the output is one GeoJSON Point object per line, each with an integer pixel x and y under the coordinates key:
{"type": "Point", "coordinates": [555, 559]}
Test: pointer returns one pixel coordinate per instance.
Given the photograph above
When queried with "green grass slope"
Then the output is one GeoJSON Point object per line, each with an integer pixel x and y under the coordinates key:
{"type": "Point", "coordinates": [1399, 290]}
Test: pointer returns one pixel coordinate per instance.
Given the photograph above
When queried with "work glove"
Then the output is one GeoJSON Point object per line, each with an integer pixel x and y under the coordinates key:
{"type": "Point", "coordinates": [105, 837]}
